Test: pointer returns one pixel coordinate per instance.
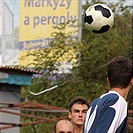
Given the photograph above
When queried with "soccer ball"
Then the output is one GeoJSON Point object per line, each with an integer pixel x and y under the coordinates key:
{"type": "Point", "coordinates": [98, 18]}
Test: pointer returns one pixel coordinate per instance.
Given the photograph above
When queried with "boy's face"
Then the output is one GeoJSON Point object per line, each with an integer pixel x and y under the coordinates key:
{"type": "Point", "coordinates": [78, 113]}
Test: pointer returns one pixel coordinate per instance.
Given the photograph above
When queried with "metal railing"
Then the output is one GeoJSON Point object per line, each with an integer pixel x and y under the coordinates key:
{"type": "Point", "coordinates": [130, 121]}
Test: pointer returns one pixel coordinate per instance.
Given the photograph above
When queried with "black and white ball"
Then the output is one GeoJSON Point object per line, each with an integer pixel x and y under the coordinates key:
{"type": "Point", "coordinates": [98, 18]}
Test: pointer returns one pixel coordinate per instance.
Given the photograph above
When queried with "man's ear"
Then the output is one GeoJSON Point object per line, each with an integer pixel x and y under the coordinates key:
{"type": "Point", "coordinates": [132, 81]}
{"type": "Point", "coordinates": [108, 80]}
{"type": "Point", "coordinates": [69, 115]}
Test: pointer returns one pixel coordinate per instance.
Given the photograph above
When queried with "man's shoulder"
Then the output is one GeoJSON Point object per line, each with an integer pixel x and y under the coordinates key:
{"type": "Point", "coordinates": [107, 99]}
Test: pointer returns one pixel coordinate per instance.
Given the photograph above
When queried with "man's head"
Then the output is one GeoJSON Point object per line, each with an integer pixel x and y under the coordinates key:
{"type": "Point", "coordinates": [64, 126]}
{"type": "Point", "coordinates": [77, 110]}
{"type": "Point", "coordinates": [119, 72]}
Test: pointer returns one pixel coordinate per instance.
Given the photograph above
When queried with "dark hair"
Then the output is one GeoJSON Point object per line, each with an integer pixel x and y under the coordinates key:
{"type": "Point", "coordinates": [80, 100]}
{"type": "Point", "coordinates": [119, 72]}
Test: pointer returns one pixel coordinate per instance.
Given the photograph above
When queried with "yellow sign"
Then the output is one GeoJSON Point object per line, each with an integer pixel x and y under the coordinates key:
{"type": "Point", "coordinates": [39, 18]}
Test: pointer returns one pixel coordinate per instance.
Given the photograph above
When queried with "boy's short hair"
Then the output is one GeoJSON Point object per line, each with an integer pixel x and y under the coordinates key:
{"type": "Point", "coordinates": [79, 100]}
{"type": "Point", "coordinates": [119, 72]}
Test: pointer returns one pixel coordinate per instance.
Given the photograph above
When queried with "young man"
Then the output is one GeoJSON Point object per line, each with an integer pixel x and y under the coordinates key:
{"type": "Point", "coordinates": [108, 114]}
{"type": "Point", "coordinates": [77, 111]}
{"type": "Point", "coordinates": [64, 126]}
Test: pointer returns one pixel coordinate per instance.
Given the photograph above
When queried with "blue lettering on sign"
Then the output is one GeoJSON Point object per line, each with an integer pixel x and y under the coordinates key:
{"type": "Point", "coordinates": [48, 3]}
{"type": "Point", "coordinates": [51, 20]}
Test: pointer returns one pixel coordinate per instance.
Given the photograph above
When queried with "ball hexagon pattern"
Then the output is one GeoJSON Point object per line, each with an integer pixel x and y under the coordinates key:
{"type": "Point", "coordinates": [98, 18]}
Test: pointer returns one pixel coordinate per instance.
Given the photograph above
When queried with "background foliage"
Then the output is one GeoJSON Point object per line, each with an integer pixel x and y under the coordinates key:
{"type": "Point", "coordinates": [88, 76]}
